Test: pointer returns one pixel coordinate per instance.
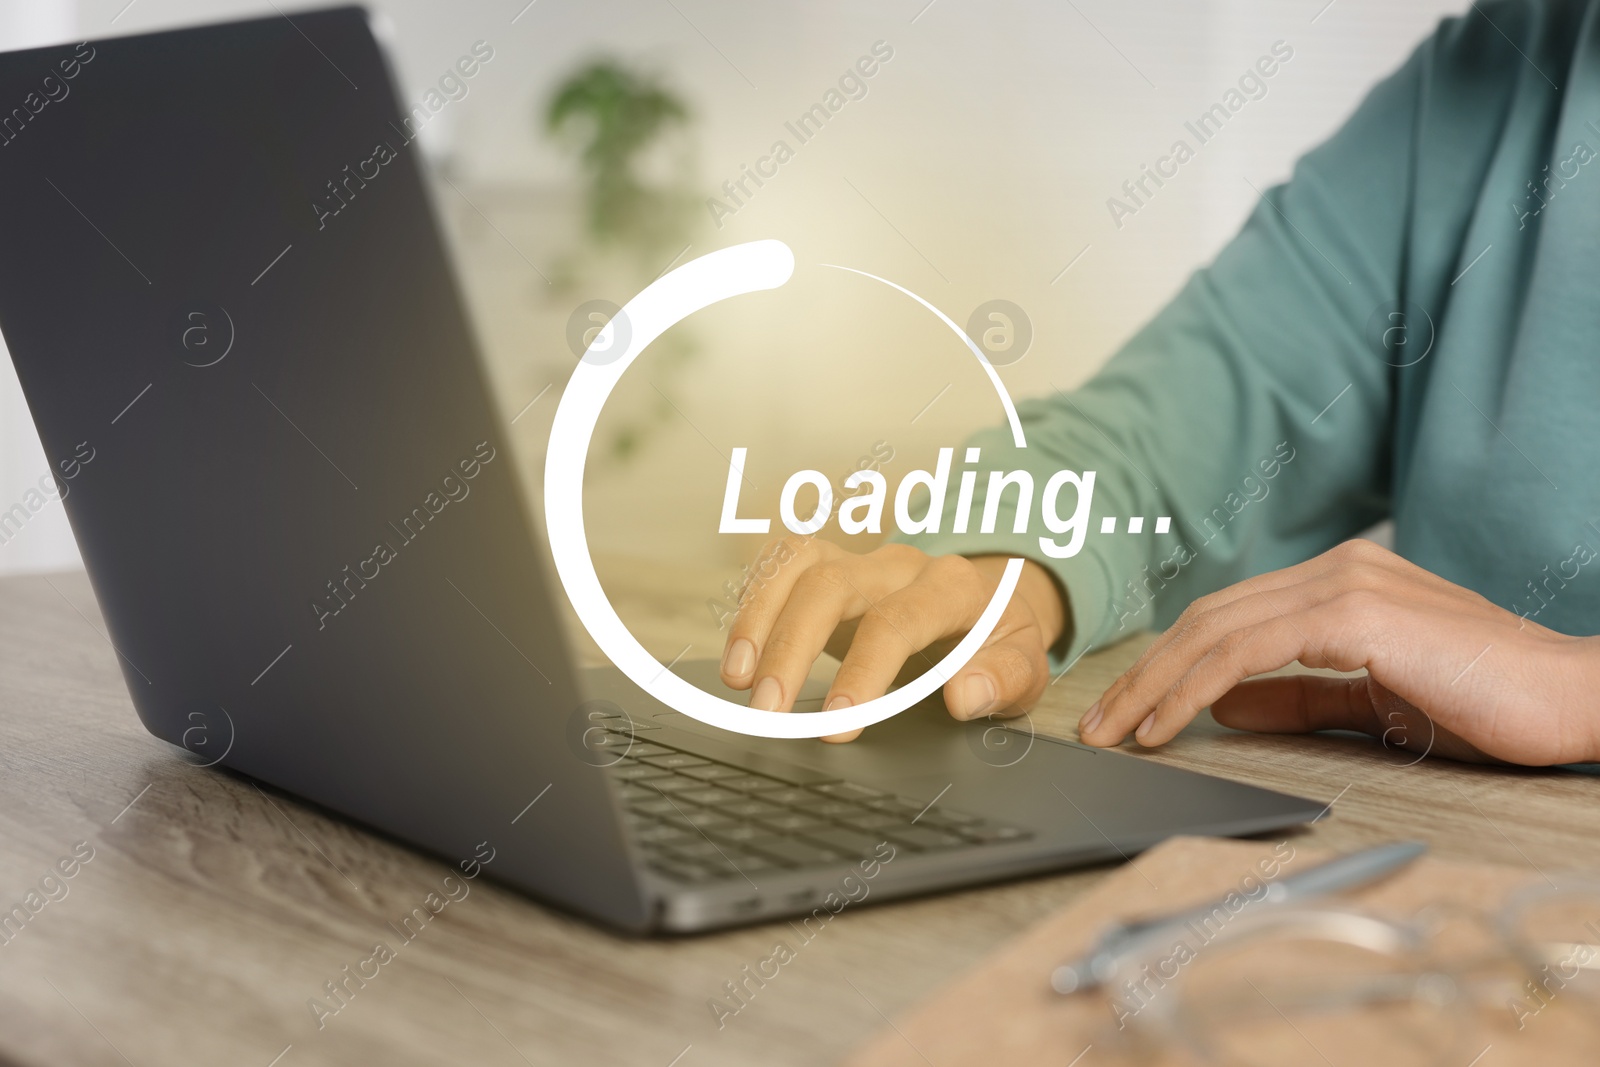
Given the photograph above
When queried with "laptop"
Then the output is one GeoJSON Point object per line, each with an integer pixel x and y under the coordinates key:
{"type": "Point", "coordinates": [231, 312]}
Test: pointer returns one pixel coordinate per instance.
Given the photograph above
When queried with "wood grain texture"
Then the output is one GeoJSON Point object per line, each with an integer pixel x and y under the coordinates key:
{"type": "Point", "coordinates": [212, 910]}
{"type": "Point", "coordinates": [1003, 1013]}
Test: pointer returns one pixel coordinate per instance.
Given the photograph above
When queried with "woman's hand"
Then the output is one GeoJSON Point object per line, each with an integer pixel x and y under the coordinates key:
{"type": "Point", "coordinates": [880, 610]}
{"type": "Point", "coordinates": [1447, 671]}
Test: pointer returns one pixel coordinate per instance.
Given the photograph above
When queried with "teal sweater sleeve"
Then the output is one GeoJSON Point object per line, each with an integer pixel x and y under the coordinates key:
{"type": "Point", "coordinates": [1253, 411]}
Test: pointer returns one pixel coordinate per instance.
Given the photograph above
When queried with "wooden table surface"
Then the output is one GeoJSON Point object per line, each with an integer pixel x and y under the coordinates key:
{"type": "Point", "coordinates": [211, 911]}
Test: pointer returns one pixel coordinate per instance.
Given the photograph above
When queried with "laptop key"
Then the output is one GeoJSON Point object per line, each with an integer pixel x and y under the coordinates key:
{"type": "Point", "coordinates": [754, 783]}
{"type": "Point", "coordinates": [987, 835]}
{"type": "Point", "coordinates": [629, 771]}
{"type": "Point", "coordinates": [790, 797]}
{"type": "Point", "coordinates": [748, 762]}
{"type": "Point", "coordinates": [712, 772]}
{"type": "Point", "coordinates": [849, 791]}
{"type": "Point", "coordinates": [699, 819]}
{"type": "Point", "coordinates": [656, 833]}
{"type": "Point", "coordinates": [749, 863]}
{"type": "Point", "coordinates": [793, 852]}
{"type": "Point", "coordinates": [607, 747]}
{"type": "Point", "coordinates": [730, 862]}
{"type": "Point", "coordinates": [613, 745]}
{"type": "Point", "coordinates": [737, 833]}
{"type": "Point", "coordinates": [849, 842]}
{"type": "Point", "coordinates": [672, 760]}
{"type": "Point", "coordinates": [747, 808]}
{"type": "Point", "coordinates": [641, 749]}
{"type": "Point", "coordinates": [909, 805]}
{"type": "Point", "coordinates": [792, 823]}
{"type": "Point", "coordinates": [708, 795]}
{"type": "Point", "coordinates": [831, 809]}
{"type": "Point", "coordinates": [698, 848]}
{"type": "Point", "coordinates": [669, 783]}
{"type": "Point", "coordinates": [918, 837]}
{"type": "Point", "coordinates": [658, 807]}
{"type": "Point", "coordinates": [873, 820]}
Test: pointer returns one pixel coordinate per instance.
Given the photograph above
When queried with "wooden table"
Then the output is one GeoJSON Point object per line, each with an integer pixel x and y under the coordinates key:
{"type": "Point", "coordinates": [212, 911]}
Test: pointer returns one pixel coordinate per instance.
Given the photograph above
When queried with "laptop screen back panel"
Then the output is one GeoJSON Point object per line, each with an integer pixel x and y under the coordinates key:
{"type": "Point", "coordinates": [231, 312]}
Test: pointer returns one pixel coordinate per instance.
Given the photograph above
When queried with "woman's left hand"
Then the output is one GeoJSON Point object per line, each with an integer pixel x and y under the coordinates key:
{"type": "Point", "coordinates": [1447, 671]}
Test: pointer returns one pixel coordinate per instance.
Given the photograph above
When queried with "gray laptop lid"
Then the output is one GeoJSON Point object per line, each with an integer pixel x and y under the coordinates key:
{"type": "Point", "coordinates": [228, 303]}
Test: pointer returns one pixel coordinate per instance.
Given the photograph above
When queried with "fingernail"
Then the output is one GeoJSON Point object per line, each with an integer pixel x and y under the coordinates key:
{"type": "Point", "coordinates": [1091, 718]}
{"type": "Point", "coordinates": [1146, 726]}
{"type": "Point", "coordinates": [979, 693]}
{"type": "Point", "coordinates": [836, 703]}
{"type": "Point", "coordinates": [768, 692]}
{"type": "Point", "coordinates": [740, 659]}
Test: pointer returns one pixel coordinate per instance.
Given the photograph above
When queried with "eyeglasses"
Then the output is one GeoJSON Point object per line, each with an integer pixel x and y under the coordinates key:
{"type": "Point", "coordinates": [1332, 986]}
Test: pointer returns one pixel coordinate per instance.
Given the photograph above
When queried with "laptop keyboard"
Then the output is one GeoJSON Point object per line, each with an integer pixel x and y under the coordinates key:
{"type": "Point", "coordinates": [697, 819]}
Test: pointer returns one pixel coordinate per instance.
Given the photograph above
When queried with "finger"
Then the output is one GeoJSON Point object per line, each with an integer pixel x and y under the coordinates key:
{"type": "Point", "coordinates": [1353, 564]}
{"type": "Point", "coordinates": [1299, 704]}
{"type": "Point", "coordinates": [839, 643]}
{"type": "Point", "coordinates": [1336, 634]}
{"type": "Point", "coordinates": [1236, 656]}
{"type": "Point", "coordinates": [1253, 595]}
{"type": "Point", "coordinates": [771, 585]}
{"type": "Point", "coordinates": [1132, 697]}
{"type": "Point", "coordinates": [839, 646]}
{"type": "Point", "coordinates": [945, 599]}
{"type": "Point", "coordinates": [839, 739]}
{"type": "Point", "coordinates": [768, 581]}
{"type": "Point", "coordinates": [1006, 676]}
{"type": "Point", "coordinates": [822, 596]}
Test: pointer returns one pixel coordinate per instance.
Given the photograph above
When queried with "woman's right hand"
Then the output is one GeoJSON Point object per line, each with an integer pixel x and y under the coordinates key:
{"type": "Point", "coordinates": [881, 613]}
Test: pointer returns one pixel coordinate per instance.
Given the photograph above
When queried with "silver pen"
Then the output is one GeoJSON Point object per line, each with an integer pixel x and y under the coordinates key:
{"type": "Point", "coordinates": [1361, 868]}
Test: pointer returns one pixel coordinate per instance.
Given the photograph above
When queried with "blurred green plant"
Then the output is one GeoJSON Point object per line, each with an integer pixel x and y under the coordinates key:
{"type": "Point", "coordinates": [623, 125]}
{"type": "Point", "coordinates": [614, 116]}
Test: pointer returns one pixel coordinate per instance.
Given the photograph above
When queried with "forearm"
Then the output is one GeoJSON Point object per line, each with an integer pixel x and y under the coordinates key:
{"type": "Point", "coordinates": [1252, 414]}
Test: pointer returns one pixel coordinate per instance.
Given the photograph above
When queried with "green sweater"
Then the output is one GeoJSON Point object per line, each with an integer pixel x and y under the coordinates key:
{"type": "Point", "coordinates": [1409, 327]}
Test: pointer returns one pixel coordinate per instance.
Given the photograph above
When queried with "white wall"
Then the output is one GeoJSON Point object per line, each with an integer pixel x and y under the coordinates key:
{"type": "Point", "coordinates": [977, 166]}
{"type": "Point", "coordinates": [45, 542]}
